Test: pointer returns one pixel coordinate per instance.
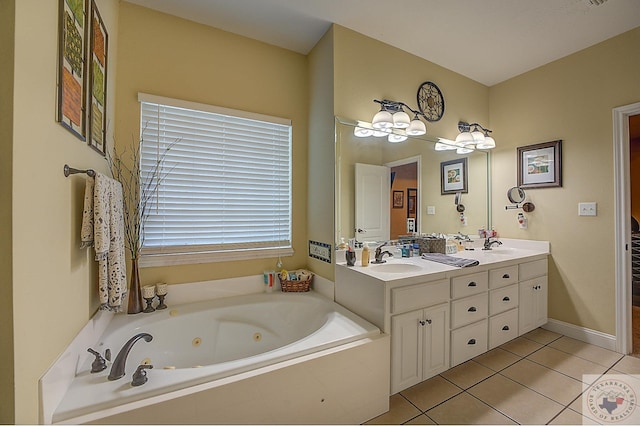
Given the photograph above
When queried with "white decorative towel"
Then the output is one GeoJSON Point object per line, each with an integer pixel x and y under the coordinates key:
{"type": "Point", "coordinates": [103, 226]}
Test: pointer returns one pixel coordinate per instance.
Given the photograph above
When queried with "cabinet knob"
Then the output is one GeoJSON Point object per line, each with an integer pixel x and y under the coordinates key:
{"type": "Point", "coordinates": [428, 321]}
{"type": "Point", "coordinates": [472, 284]}
{"type": "Point", "coordinates": [506, 276]}
{"type": "Point", "coordinates": [472, 309]}
{"type": "Point", "coordinates": [471, 342]}
{"type": "Point", "coordinates": [506, 299]}
{"type": "Point", "coordinates": [505, 328]}
{"type": "Point", "coordinates": [425, 322]}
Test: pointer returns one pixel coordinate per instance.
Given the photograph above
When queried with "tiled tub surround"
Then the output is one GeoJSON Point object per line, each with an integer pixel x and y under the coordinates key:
{"type": "Point", "coordinates": [440, 316]}
{"type": "Point", "coordinates": [534, 379]}
{"type": "Point", "coordinates": [317, 378]}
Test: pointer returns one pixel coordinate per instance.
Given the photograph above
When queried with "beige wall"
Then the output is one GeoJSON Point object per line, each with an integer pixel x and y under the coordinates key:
{"type": "Point", "coordinates": [53, 291]}
{"type": "Point", "coordinates": [168, 56]}
{"type": "Point", "coordinates": [321, 155]}
{"type": "Point", "coordinates": [7, 21]}
{"type": "Point", "coordinates": [570, 99]}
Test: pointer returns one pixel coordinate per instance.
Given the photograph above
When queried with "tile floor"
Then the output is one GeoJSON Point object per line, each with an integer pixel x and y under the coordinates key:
{"type": "Point", "coordinates": [534, 379]}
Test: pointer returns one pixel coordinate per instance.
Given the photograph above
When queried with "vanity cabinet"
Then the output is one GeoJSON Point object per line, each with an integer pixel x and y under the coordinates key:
{"type": "Point", "coordinates": [419, 345]}
{"type": "Point", "coordinates": [444, 317]}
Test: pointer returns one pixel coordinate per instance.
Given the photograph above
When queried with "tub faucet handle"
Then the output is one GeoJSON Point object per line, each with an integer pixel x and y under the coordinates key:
{"type": "Point", "coordinates": [140, 376]}
{"type": "Point", "coordinates": [99, 363]}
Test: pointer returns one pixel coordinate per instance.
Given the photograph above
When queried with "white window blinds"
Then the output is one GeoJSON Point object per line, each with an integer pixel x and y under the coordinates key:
{"type": "Point", "coordinates": [225, 178]}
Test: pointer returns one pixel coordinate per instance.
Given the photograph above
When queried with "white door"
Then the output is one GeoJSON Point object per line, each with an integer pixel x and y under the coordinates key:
{"type": "Point", "coordinates": [373, 186]}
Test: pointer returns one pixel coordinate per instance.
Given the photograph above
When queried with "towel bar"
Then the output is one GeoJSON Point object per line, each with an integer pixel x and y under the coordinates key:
{"type": "Point", "coordinates": [71, 171]}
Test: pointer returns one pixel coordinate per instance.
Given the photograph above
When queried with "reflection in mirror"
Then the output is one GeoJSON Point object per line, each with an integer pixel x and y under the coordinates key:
{"type": "Point", "coordinates": [409, 183]}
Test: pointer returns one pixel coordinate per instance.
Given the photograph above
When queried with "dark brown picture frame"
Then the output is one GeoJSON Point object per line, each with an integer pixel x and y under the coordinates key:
{"type": "Point", "coordinates": [540, 165]}
{"type": "Point", "coordinates": [98, 61]}
{"type": "Point", "coordinates": [72, 66]}
{"type": "Point", "coordinates": [412, 199]}
{"type": "Point", "coordinates": [454, 176]}
{"type": "Point", "coordinates": [398, 199]}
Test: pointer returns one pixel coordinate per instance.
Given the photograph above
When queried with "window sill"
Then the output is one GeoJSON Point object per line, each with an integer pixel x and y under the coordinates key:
{"type": "Point", "coordinates": [172, 259]}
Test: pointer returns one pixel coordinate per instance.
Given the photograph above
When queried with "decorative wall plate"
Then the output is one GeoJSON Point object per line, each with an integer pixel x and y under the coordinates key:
{"type": "Point", "coordinates": [430, 101]}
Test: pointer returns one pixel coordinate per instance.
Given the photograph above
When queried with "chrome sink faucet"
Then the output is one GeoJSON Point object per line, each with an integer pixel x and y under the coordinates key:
{"type": "Point", "coordinates": [117, 369]}
{"type": "Point", "coordinates": [379, 254]}
{"type": "Point", "coordinates": [488, 242]}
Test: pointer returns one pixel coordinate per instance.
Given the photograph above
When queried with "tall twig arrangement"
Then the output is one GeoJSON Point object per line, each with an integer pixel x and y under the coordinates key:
{"type": "Point", "coordinates": [137, 190]}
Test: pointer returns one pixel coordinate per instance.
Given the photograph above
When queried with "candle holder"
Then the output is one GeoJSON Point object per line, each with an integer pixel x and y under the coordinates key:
{"type": "Point", "coordinates": [161, 291]}
{"type": "Point", "coordinates": [148, 293]}
{"type": "Point", "coordinates": [149, 308]}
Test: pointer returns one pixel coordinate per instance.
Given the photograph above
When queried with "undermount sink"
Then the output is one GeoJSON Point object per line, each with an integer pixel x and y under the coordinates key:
{"type": "Point", "coordinates": [396, 268]}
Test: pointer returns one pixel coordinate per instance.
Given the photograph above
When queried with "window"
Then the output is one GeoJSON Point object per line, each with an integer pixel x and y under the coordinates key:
{"type": "Point", "coordinates": [225, 189]}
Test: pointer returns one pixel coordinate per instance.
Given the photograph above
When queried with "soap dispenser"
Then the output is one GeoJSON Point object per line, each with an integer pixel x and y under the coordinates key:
{"type": "Point", "coordinates": [365, 255]}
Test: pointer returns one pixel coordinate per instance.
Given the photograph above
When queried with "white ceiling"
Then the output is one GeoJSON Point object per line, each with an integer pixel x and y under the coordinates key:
{"type": "Point", "coordinates": [486, 40]}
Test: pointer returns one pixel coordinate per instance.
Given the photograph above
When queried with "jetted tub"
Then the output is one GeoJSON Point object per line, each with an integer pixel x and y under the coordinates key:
{"type": "Point", "coordinates": [202, 342]}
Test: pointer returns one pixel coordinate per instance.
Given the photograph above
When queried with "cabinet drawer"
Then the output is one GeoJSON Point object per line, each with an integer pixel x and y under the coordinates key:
{"type": "Point", "coordinates": [468, 310]}
{"type": "Point", "coordinates": [502, 328]}
{"type": "Point", "coordinates": [533, 269]}
{"type": "Point", "coordinates": [467, 342]}
{"type": "Point", "coordinates": [503, 299]}
{"type": "Point", "coordinates": [467, 285]}
{"type": "Point", "coordinates": [417, 296]}
{"type": "Point", "coordinates": [503, 276]}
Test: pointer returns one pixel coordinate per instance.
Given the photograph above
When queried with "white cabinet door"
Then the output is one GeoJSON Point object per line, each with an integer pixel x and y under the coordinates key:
{"type": "Point", "coordinates": [419, 346]}
{"type": "Point", "coordinates": [372, 202]}
{"type": "Point", "coordinates": [533, 304]}
{"type": "Point", "coordinates": [406, 350]}
{"type": "Point", "coordinates": [435, 349]}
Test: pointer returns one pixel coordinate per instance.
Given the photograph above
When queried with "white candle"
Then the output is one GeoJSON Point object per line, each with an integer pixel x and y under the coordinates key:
{"type": "Point", "coordinates": [161, 288]}
{"type": "Point", "coordinates": [148, 291]}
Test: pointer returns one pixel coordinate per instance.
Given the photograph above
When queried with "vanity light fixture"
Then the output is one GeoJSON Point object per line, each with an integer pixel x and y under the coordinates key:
{"type": "Point", "coordinates": [473, 135]}
{"type": "Point", "coordinates": [394, 122]}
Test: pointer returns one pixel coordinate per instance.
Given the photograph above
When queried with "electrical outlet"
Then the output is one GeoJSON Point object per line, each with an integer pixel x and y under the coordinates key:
{"type": "Point", "coordinates": [587, 209]}
{"type": "Point", "coordinates": [431, 209]}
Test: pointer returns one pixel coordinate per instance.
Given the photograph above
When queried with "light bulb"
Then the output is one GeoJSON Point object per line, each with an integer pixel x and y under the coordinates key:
{"type": "Point", "coordinates": [401, 120]}
{"type": "Point", "coordinates": [382, 120]}
{"type": "Point", "coordinates": [416, 128]}
{"type": "Point", "coordinates": [395, 138]}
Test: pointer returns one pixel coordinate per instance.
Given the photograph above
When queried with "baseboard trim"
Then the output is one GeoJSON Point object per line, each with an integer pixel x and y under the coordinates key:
{"type": "Point", "coordinates": [586, 335]}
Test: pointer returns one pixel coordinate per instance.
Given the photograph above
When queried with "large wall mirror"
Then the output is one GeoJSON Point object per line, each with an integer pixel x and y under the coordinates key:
{"type": "Point", "coordinates": [385, 190]}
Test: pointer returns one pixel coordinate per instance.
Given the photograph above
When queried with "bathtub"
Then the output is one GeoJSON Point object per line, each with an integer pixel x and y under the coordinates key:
{"type": "Point", "coordinates": [208, 344]}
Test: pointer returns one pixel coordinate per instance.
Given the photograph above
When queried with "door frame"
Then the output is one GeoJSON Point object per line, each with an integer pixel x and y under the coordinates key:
{"type": "Point", "coordinates": [622, 219]}
{"type": "Point", "coordinates": [409, 160]}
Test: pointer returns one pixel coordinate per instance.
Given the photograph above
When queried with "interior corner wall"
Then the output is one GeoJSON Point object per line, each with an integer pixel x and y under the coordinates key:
{"type": "Point", "coordinates": [7, 27]}
{"type": "Point", "coordinates": [569, 99]}
{"type": "Point", "coordinates": [54, 287]}
{"type": "Point", "coordinates": [169, 56]}
{"type": "Point", "coordinates": [321, 154]}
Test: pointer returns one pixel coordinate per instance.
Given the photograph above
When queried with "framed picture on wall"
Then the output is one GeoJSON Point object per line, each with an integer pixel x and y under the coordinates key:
{"type": "Point", "coordinates": [453, 176]}
{"type": "Point", "coordinates": [540, 165]}
{"type": "Point", "coordinates": [99, 43]}
{"type": "Point", "coordinates": [412, 199]}
{"type": "Point", "coordinates": [72, 66]}
{"type": "Point", "coordinates": [398, 199]}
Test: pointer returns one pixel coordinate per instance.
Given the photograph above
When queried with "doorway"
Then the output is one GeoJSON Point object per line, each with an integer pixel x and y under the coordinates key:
{"type": "Point", "coordinates": [623, 224]}
{"type": "Point", "coordinates": [634, 186]}
{"type": "Point", "coordinates": [404, 211]}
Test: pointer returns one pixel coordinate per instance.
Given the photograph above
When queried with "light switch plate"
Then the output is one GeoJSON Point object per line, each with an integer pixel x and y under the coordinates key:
{"type": "Point", "coordinates": [431, 209]}
{"type": "Point", "coordinates": [587, 209]}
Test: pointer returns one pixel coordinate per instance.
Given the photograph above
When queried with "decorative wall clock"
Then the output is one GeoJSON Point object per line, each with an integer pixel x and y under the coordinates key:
{"type": "Point", "coordinates": [430, 101]}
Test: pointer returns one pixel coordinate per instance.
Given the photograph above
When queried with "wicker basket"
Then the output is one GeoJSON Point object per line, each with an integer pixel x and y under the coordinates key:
{"type": "Point", "coordinates": [295, 285]}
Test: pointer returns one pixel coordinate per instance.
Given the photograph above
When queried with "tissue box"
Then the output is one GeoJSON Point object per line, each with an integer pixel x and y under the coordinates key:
{"type": "Point", "coordinates": [433, 245]}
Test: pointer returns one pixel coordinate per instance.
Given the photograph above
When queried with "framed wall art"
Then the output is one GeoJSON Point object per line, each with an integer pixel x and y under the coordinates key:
{"type": "Point", "coordinates": [72, 66]}
{"type": "Point", "coordinates": [398, 199]}
{"type": "Point", "coordinates": [453, 176]}
{"type": "Point", "coordinates": [540, 165]}
{"type": "Point", "coordinates": [98, 56]}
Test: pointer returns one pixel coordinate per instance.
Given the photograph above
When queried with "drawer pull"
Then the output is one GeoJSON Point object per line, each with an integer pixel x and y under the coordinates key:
{"type": "Point", "coordinates": [472, 284]}
{"type": "Point", "coordinates": [471, 342]}
{"type": "Point", "coordinates": [472, 309]}
{"type": "Point", "coordinates": [506, 276]}
{"type": "Point", "coordinates": [506, 299]}
{"type": "Point", "coordinates": [424, 322]}
{"type": "Point", "coordinates": [505, 328]}
{"type": "Point", "coordinates": [428, 321]}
